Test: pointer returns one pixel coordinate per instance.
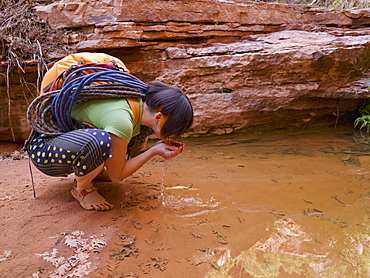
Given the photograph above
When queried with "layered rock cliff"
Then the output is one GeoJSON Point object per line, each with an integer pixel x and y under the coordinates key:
{"type": "Point", "coordinates": [245, 66]}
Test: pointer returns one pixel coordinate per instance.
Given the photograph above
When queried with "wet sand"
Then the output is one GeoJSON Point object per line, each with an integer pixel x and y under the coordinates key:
{"type": "Point", "coordinates": [282, 205]}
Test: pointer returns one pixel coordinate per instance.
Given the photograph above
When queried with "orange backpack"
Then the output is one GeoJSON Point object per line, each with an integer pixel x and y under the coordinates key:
{"type": "Point", "coordinates": [54, 77]}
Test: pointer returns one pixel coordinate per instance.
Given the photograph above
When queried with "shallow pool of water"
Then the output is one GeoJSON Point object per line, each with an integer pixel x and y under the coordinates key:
{"type": "Point", "coordinates": [289, 205]}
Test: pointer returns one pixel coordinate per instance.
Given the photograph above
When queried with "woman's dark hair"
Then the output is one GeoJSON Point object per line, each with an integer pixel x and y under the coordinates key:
{"type": "Point", "coordinates": [173, 104]}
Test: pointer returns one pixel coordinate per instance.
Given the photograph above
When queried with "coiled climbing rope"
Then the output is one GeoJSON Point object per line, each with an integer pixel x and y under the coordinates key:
{"type": "Point", "coordinates": [50, 113]}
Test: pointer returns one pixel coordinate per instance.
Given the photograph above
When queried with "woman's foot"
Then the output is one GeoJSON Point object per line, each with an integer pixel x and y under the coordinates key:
{"type": "Point", "coordinates": [90, 199]}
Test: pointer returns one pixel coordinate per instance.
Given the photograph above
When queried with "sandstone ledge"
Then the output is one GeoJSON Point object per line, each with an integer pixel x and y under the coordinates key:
{"type": "Point", "coordinates": [245, 66]}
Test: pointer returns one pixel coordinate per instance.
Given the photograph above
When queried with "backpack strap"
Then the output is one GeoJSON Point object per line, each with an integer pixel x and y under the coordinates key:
{"type": "Point", "coordinates": [135, 107]}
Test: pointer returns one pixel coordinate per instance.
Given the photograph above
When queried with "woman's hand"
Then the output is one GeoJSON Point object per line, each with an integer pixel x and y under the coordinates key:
{"type": "Point", "coordinates": [168, 148]}
{"type": "Point", "coordinates": [117, 166]}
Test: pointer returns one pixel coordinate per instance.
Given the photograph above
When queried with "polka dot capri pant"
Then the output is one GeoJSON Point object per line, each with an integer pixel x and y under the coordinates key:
{"type": "Point", "coordinates": [78, 151]}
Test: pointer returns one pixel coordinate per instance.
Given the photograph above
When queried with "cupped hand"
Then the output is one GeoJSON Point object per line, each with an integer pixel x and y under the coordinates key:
{"type": "Point", "coordinates": [169, 148]}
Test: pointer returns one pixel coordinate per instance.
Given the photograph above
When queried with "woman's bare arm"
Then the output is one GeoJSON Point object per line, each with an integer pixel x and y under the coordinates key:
{"type": "Point", "coordinates": [117, 166]}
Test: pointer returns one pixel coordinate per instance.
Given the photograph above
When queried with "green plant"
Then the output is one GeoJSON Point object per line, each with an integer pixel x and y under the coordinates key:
{"type": "Point", "coordinates": [364, 120]}
{"type": "Point", "coordinates": [362, 123]}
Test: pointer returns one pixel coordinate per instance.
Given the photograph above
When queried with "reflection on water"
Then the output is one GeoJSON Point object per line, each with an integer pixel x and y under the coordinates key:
{"type": "Point", "coordinates": [188, 206]}
{"type": "Point", "coordinates": [293, 205]}
{"type": "Point", "coordinates": [186, 203]}
{"type": "Point", "coordinates": [290, 249]}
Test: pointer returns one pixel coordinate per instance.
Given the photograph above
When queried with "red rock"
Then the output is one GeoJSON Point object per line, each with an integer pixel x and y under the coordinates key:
{"type": "Point", "coordinates": [245, 66]}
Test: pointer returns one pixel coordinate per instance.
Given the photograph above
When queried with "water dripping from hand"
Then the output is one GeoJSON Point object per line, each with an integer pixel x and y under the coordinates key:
{"type": "Point", "coordinates": [163, 186]}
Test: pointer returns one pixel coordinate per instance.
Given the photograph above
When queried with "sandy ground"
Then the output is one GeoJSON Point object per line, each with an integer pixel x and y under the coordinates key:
{"type": "Point", "coordinates": [288, 205]}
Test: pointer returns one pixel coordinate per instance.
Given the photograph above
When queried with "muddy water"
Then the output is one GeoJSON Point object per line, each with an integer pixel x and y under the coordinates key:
{"type": "Point", "coordinates": [284, 205]}
{"type": "Point", "coordinates": [287, 205]}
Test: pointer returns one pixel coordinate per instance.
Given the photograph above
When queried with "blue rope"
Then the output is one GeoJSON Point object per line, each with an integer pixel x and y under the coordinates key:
{"type": "Point", "coordinates": [62, 103]}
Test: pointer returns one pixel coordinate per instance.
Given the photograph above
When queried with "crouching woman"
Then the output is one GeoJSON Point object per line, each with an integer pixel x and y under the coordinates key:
{"type": "Point", "coordinates": [103, 147]}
